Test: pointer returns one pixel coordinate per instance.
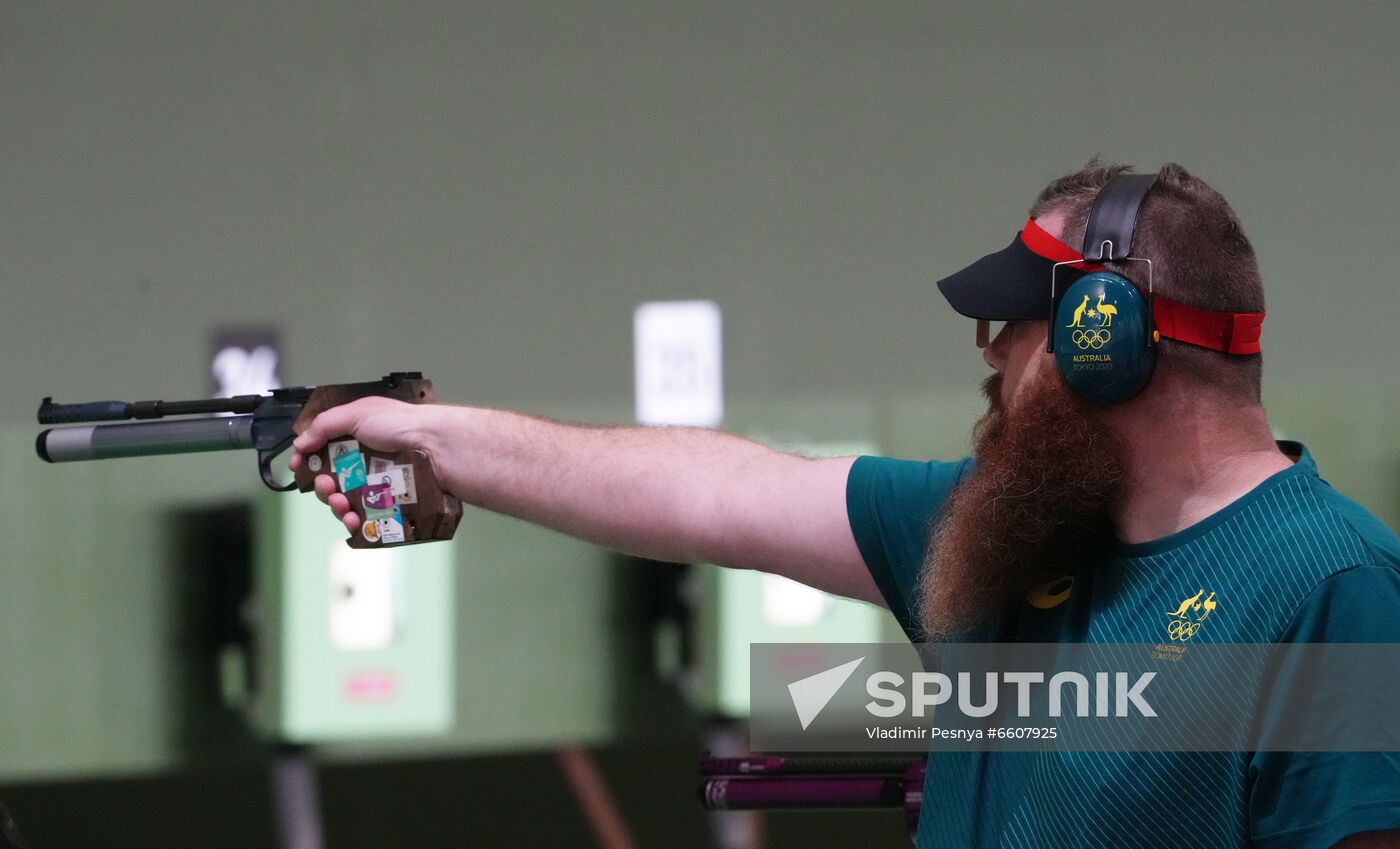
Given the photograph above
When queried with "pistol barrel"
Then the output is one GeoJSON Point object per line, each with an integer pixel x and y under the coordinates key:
{"type": "Point", "coordinates": [144, 439]}
{"type": "Point", "coordinates": [116, 411]}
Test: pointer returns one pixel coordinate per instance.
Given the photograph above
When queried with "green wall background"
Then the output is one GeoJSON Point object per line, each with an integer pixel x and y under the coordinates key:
{"type": "Point", "coordinates": [485, 191]}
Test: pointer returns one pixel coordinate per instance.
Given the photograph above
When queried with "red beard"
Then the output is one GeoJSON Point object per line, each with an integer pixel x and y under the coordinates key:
{"type": "Point", "coordinates": [1047, 470]}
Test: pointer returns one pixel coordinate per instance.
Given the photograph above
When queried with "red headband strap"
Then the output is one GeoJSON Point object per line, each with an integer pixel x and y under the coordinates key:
{"type": "Point", "coordinates": [1045, 245]}
{"type": "Point", "coordinates": [1232, 333]}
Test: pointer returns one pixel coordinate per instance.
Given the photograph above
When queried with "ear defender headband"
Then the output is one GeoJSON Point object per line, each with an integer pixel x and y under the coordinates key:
{"type": "Point", "coordinates": [1103, 331]}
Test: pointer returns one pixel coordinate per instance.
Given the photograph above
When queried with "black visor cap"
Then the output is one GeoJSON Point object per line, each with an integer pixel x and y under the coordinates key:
{"type": "Point", "coordinates": [1012, 284]}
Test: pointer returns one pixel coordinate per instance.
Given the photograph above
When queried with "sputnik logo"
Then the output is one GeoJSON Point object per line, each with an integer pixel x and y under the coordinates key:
{"type": "Point", "coordinates": [812, 694]}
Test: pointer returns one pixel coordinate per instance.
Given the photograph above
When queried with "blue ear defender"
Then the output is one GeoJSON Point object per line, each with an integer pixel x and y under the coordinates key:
{"type": "Point", "coordinates": [1100, 338]}
{"type": "Point", "coordinates": [1102, 331]}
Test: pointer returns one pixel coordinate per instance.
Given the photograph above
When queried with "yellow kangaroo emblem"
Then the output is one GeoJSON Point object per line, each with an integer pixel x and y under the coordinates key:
{"type": "Point", "coordinates": [1186, 605]}
{"type": "Point", "coordinates": [1079, 313]}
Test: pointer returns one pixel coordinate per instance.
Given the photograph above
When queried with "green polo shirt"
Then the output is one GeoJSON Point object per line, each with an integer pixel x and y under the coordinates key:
{"type": "Point", "coordinates": [1291, 561]}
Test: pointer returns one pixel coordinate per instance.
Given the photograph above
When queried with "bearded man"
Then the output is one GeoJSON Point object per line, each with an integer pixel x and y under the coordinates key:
{"type": "Point", "coordinates": [1073, 521]}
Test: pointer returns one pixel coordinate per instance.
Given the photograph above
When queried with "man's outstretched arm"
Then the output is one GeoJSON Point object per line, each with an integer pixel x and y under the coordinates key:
{"type": "Point", "coordinates": [678, 494]}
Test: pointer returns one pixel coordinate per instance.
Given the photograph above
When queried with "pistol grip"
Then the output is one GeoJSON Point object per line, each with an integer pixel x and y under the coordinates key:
{"type": "Point", "coordinates": [396, 494]}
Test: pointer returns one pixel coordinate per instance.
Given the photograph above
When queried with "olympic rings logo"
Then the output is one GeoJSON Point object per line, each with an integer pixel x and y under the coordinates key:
{"type": "Point", "coordinates": [1095, 339]}
{"type": "Point", "coordinates": [1182, 630]}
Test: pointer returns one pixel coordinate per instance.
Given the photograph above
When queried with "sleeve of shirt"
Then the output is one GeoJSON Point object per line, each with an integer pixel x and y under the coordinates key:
{"type": "Point", "coordinates": [1313, 800]}
{"type": "Point", "coordinates": [890, 504]}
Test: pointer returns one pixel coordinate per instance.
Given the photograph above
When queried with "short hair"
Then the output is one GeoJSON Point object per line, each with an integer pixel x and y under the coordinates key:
{"type": "Point", "coordinates": [1200, 257]}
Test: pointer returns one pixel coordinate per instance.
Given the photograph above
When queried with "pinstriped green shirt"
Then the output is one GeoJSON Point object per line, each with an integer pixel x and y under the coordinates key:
{"type": "Point", "coordinates": [1291, 561]}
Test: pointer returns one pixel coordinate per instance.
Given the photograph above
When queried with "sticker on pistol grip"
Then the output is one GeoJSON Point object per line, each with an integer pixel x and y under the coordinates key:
{"type": "Point", "coordinates": [391, 528]}
{"type": "Point", "coordinates": [349, 464]}
{"type": "Point", "coordinates": [401, 484]}
{"type": "Point", "coordinates": [370, 531]}
{"type": "Point", "coordinates": [378, 501]}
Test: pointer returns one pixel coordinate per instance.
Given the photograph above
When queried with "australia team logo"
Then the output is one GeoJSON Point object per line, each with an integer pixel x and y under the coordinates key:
{"type": "Point", "coordinates": [1186, 621]}
{"type": "Point", "coordinates": [1093, 336]}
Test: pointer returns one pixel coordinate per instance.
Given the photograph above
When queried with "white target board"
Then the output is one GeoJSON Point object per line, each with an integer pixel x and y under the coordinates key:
{"type": "Point", "coordinates": [678, 364]}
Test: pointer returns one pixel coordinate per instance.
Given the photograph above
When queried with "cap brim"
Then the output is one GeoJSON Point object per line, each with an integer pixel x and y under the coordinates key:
{"type": "Point", "coordinates": [1012, 284]}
